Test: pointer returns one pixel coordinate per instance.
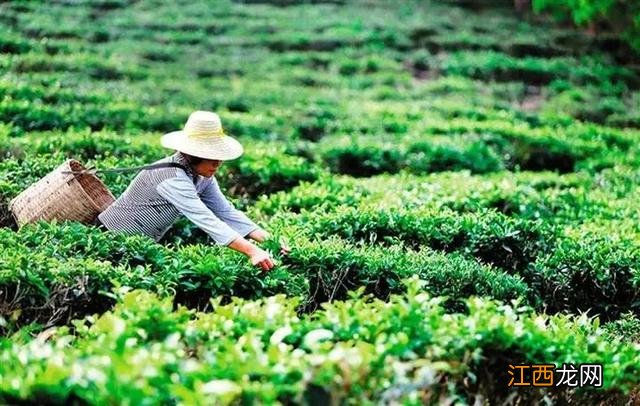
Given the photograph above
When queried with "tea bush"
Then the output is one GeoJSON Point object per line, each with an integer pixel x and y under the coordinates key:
{"type": "Point", "coordinates": [489, 152]}
{"type": "Point", "coordinates": [326, 192]}
{"type": "Point", "coordinates": [527, 195]}
{"type": "Point", "coordinates": [268, 171]}
{"type": "Point", "coordinates": [627, 327]}
{"type": "Point", "coordinates": [490, 236]}
{"type": "Point", "coordinates": [536, 71]}
{"type": "Point", "coordinates": [587, 272]}
{"type": "Point", "coordinates": [254, 351]}
{"type": "Point", "coordinates": [368, 160]}
{"type": "Point", "coordinates": [52, 273]}
{"type": "Point", "coordinates": [334, 267]}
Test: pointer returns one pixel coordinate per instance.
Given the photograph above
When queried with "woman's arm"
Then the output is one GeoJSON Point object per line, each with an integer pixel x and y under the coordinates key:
{"type": "Point", "coordinates": [182, 194]}
{"type": "Point", "coordinates": [258, 235]}
{"type": "Point", "coordinates": [216, 201]}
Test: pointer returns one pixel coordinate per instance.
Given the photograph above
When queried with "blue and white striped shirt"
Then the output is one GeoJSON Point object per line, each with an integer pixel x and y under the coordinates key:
{"type": "Point", "coordinates": [156, 198]}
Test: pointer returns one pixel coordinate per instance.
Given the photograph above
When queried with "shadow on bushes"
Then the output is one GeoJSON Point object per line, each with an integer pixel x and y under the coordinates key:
{"type": "Point", "coordinates": [6, 218]}
{"type": "Point", "coordinates": [480, 156]}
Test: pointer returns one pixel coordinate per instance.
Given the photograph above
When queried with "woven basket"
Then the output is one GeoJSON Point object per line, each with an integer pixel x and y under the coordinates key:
{"type": "Point", "coordinates": [62, 196]}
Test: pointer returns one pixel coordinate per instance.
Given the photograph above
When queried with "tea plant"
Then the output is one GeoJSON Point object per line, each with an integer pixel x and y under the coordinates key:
{"type": "Point", "coordinates": [255, 351]}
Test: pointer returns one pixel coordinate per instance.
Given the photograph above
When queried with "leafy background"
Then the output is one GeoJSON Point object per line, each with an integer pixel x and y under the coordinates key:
{"type": "Point", "coordinates": [486, 153]}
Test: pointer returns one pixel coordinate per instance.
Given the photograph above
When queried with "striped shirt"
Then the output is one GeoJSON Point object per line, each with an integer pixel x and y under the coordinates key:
{"type": "Point", "coordinates": [156, 198]}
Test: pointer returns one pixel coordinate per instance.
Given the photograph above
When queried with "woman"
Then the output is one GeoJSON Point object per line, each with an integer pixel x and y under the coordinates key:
{"type": "Point", "coordinates": [156, 198]}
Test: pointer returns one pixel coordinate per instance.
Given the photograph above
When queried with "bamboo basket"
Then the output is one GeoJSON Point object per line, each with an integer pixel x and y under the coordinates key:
{"type": "Point", "coordinates": [62, 196]}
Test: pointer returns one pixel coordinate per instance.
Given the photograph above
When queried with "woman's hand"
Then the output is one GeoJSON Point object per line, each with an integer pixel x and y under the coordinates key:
{"type": "Point", "coordinates": [257, 255]}
{"type": "Point", "coordinates": [262, 259]}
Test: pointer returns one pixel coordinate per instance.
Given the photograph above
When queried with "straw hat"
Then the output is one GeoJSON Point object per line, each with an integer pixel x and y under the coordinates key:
{"type": "Point", "coordinates": [203, 136]}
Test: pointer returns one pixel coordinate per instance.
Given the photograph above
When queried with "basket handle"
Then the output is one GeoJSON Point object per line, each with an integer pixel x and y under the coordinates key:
{"type": "Point", "coordinates": [92, 170]}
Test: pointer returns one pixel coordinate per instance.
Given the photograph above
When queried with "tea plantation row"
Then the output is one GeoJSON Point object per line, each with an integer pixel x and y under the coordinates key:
{"type": "Point", "coordinates": [88, 67]}
{"type": "Point", "coordinates": [455, 144]}
{"type": "Point", "coordinates": [359, 351]}
{"type": "Point", "coordinates": [52, 273]}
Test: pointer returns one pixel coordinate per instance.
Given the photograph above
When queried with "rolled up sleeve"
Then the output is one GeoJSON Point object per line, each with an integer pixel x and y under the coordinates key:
{"type": "Point", "coordinates": [181, 192]}
{"type": "Point", "coordinates": [215, 200]}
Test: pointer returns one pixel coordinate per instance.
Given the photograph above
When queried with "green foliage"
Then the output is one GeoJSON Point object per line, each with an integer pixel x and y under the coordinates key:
{"type": "Point", "coordinates": [52, 273]}
{"type": "Point", "coordinates": [487, 155]}
{"type": "Point", "coordinates": [334, 267]}
{"type": "Point", "coordinates": [627, 327]}
{"type": "Point", "coordinates": [536, 71]}
{"type": "Point", "coordinates": [622, 17]}
{"type": "Point", "coordinates": [327, 191]}
{"type": "Point", "coordinates": [476, 156]}
{"type": "Point", "coordinates": [590, 272]}
{"type": "Point", "coordinates": [255, 351]}
{"type": "Point", "coordinates": [266, 171]}
{"type": "Point", "coordinates": [492, 237]}
{"type": "Point", "coordinates": [366, 160]}
{"type": "Point", "coordinates": [456, 146]}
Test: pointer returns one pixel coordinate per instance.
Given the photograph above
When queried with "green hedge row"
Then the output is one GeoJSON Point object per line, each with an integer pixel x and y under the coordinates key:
{"type": "Point", "coordinates": [366, 157]}
{"type": "Point", "coordinates": [488, 152]}
{"type": "Point", "coordinates": [407, 350]}
{"type": "Point", "coordinates": [565, 131]}
{"type": "Point", "coordinates": [492, 237]}
{"type": "Point", "coordinates": [50, 273]}
{"type": "Point", "coordinates": [538, 71]}
{"type": "Point", "coordinates": [325, 193]}
{"type": "Point", "coordinates": [25, 116]}
{"type": "Point", "coordinates": [564, 199]}
{"type": "Point", "coordinates": [612, 106]}
{"type": "Point", "coordinates": [546, 195]}
{"type": "Point", "coordinates": [333, 267]}
{"type": "Point", "coordinates": [593, 270]}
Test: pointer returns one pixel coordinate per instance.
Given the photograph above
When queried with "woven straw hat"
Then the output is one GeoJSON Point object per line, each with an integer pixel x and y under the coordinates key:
{"type": "Point", "coordinates": [203, 136]}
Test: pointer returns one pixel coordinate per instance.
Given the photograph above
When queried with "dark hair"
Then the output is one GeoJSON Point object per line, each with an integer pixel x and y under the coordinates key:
{"type": "Point", "coordinates": [193, 160]}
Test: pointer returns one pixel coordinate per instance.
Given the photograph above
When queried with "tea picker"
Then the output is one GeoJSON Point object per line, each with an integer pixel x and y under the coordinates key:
{"type": "Point", "coordinates": [180, 184]}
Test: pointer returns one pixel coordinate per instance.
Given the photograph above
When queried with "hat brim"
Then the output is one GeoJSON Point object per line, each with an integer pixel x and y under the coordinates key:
{"type": "Point", "coordinates": [222, 148]}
